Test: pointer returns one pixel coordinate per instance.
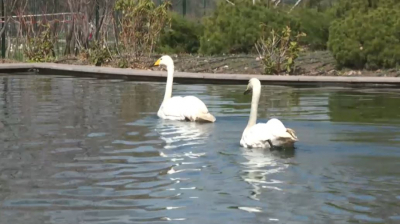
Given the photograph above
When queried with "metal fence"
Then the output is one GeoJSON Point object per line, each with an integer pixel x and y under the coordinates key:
{"type": "Point", "coordinates": [28, 16]}
{"type": "Point", "coordinates": [193, 8]}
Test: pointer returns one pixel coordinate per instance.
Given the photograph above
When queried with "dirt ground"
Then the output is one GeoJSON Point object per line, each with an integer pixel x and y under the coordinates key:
{"type": "Point", "coordinates": [318, 63]}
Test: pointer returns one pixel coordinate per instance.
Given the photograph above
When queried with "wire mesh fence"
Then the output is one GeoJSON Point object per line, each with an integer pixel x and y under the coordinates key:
{"type": "Point", "coordinates": [193, 8]}
{"type": "Point", "coordinates": [73, 23]}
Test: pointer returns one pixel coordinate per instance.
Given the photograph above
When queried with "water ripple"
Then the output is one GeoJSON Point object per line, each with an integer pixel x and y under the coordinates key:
{"type": "Point", "coordinates": [83, 150]}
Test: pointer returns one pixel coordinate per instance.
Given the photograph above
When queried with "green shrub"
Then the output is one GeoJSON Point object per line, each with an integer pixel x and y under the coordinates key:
{"type": "Point", "coordinates": [279, 50]}
{"type": "Point", "coordinates": [141, 25]}
{"type": "Point", "coordinates": [368, 38]}
{"type": "Point", "coordinates": [98, 53]}
{"type": "Point", "coordinates": [41, 48]}
{"type": "Point", "coordinates": [182, 37]}
{"type": "Point", "coordinates": [344, 8]}
{"type": "Point", "coordinates": [235, 29]}
{"type": "Point", "coordinates": [123, 62]}
{"type": "Point", "coordinates": [316, 25]}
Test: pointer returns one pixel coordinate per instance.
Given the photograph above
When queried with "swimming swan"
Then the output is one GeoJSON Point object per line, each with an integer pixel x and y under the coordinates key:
{"type": "Point", "coordinates": [188, 108]}
{"type": "Point", "coordinates": [271, 134]}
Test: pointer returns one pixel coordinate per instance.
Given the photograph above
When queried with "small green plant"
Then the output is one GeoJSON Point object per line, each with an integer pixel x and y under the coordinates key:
{"type": "Point", "coordinates": [141, 25]}
{"type": "Point", "coordinates": [41, 48]}
{"type": "Point", "coordinates": [278, 52]}
{"type": "Point", "coordinates": [123, 63]}
{"type": "Point", "coordinates": [98, 53]}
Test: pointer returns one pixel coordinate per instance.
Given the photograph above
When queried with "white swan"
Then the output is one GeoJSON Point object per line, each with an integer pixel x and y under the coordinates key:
{"type": "Point", "coordinates": [188, 108]}
{"type": "Point", "coordinates": [272, 133]}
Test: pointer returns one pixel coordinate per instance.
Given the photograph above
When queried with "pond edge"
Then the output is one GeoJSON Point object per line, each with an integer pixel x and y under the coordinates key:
{"type": "Point", "coordinates": [195, 78]}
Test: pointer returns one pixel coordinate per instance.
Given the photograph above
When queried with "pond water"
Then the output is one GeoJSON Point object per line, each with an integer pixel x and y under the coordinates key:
{"type": "Point", "coordinates": [81, 150]}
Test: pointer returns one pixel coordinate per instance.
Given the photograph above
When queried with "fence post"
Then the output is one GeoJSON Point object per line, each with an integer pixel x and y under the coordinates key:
{"type": "Point", "coordinates": [35, 15]}
{"type": "Point", "coordinates": [184, 7]}
{"type": "Point", "coordinates": [3, 35]}
{"type": "Point", "coordinates": [97, 19]}
{"type": "Point", "coordinates": [204, 7]}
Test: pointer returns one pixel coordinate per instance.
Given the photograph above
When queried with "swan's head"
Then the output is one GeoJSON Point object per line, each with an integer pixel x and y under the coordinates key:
{"type": "Point", "coordinates": [165, 60]}
{"type": "Point", "coordinates": [253, 83]}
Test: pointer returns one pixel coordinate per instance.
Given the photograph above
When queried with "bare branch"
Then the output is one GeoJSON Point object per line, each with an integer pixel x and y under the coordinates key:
{"type": "Point", "coordinates": [6, 10]}
{"type": "Point", "coordinates": [230, 2]}
{"type": "Point", "coordinates": [298, 2]}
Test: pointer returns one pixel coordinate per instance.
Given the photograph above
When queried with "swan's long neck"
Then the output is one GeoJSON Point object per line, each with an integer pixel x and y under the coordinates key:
{"type": "Point", "coordinates": [254, 106]}
{"type": "Point", "coordinates": [170, 80]}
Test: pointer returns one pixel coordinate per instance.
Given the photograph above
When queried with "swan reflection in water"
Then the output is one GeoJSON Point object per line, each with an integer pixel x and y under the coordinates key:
{"type": "Point", "coordinates": [261, 164]}
{"type": "Point", "coordinates": [178, 134]}
{"type": "Point", "coordinates": [180, 138]}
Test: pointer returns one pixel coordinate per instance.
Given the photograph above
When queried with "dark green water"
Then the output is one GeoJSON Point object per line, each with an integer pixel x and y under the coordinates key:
{"type": "Point", "coordinates": [93, 151]}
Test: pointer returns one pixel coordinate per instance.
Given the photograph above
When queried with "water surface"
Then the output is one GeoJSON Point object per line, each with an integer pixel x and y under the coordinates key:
{"type": "Point", "coordinates": [80, 150]}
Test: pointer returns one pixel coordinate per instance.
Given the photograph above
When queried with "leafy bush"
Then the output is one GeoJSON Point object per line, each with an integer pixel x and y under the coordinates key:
{"type": "Point", "coordinates": [279, 51]}
{"type": "Point", "coordinates": [316, 25]}
{"type": "Point", "coordinates": [235, 29]}
{"type": "Point", "coordinates": [98, 53]}
{"type": "Point", "coordinates": [141, 24]}
{"type": "Point", "coordinates": [123, 63]}
{"type": "Point", "coordinates": [182, 37]}
{"type": "Point", "coordinates": [345, 8]}
{"type": "Point", "coordinates": [368, 38]}
{"type": "Point", "coordinates": [41, 48]}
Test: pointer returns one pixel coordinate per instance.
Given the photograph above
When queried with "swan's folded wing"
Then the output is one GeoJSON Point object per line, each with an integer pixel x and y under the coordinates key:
{"type": "Point", "coordinates": [195, 109]}
{"type": "Point", "coordinates": [278, 129]}
{"type": "Point", "coordinates": [257, 136]}
{"type": "Point", "coordinates": [275, 125]}
{"type": "Point", "coordinates": [261, 132]}
{"type": "Point", "coordinates": [280, 134]}
{"type": "Point", "coordinates": [172, 108]}
{"type": "Point", "coordinates": [194, 103]}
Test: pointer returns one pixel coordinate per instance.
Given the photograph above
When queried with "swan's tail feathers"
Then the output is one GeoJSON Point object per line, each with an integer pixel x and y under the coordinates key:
{"type": "Point", "coordinates": [288, 136]}
{"type": "Point", "coordinates": [292, 134]}
{"type": "Point", "coordinates": [205, 117]}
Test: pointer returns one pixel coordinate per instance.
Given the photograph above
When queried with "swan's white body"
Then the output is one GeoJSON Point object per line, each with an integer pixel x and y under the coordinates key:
{"type": "Point", "coordinates": [262, 135]}
{"type": "Point", "coordinates": [183, 108]}
{"type": "Point", "coordinates": [180, 108]}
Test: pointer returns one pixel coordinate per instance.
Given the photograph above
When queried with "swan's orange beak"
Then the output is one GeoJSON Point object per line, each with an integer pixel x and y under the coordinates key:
{"type": "Point", "coordinates": [157, 62]}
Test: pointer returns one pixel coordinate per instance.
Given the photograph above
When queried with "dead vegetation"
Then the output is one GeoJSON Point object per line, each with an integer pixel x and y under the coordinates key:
{"type": "Point", "coordinates": [318, 63]}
